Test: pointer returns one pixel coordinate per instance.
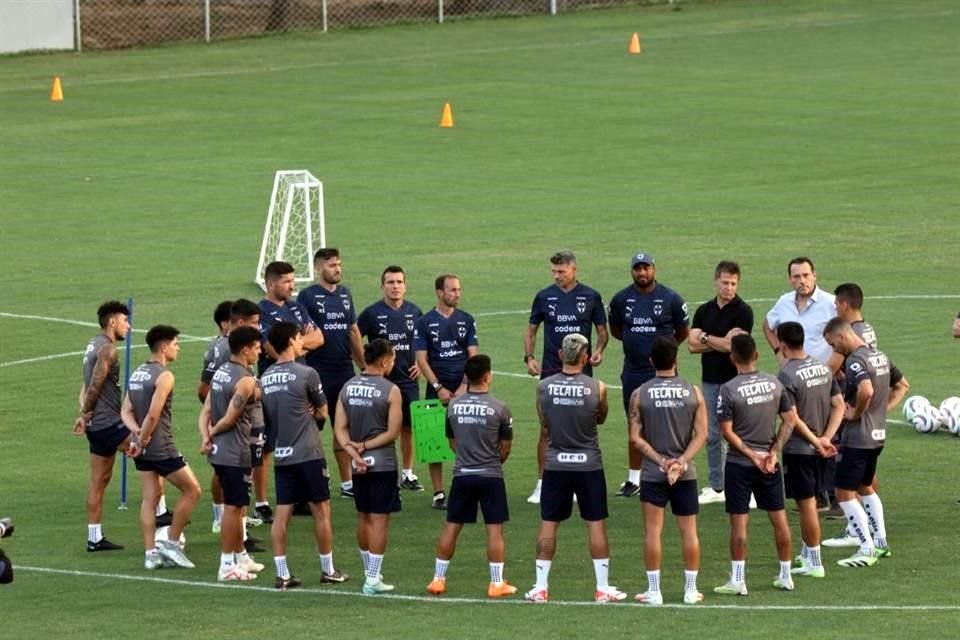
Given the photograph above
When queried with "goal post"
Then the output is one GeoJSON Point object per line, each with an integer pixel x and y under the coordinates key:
{"type": "Point", "coordinates": [295, 226]}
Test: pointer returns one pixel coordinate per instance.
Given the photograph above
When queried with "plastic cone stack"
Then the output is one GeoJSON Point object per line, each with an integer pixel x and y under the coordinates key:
{"type": "Point", "coordinates": [56, 91]}
{"type": "Point", "coordinates": [634, 46]}
{"type": "Point", "coordinates": [446, 117]}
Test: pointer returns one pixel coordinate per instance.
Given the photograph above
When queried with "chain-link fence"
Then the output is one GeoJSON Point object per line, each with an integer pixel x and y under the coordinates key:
{"type": "Point", "coordinates": [112, 24]}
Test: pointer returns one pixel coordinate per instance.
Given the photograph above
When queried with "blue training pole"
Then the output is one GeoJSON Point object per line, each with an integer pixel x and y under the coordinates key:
{"type": "Point", "coordinates": [126, 388]}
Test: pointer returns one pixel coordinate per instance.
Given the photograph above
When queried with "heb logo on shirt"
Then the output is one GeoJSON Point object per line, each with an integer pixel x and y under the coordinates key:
{"type": "Point", "coordinates": [572, 458]}
{"type": "Point", "coordinates": [283, 452]}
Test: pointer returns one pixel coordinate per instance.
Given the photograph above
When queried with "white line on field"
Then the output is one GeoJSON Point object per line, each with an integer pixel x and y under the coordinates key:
{"type": "Point", "coordinates": [430, 55]}
{"type": "Point", "coordinates": [184, 337]}
{"type": "Point", "coordinates": [475, 601]}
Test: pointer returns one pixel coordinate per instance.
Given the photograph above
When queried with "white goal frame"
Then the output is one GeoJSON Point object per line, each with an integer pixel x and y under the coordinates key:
{"type": "Point", "coordinates": [296, 224]}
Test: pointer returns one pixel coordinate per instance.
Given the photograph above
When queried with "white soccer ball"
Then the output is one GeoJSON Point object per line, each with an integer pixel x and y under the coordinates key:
{"type": "Point", "coordinates": [912, 406]}
{"type": "Point", "coordinates": [950, 414]}
{"type": "Point", "coordinates": [163, 533]}
{"type": "Point", "coordinates": [927, 419]}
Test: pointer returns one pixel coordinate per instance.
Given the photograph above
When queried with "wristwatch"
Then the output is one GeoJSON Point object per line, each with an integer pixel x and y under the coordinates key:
{"type": "Point", "coordinates": [704, 337]}
{"type": "Point", "coordinates": [527, 357]}
{"type": "Point", "coordinates": [436, 386]}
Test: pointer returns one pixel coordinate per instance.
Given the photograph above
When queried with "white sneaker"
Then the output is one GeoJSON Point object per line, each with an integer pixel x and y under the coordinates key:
{"type": "Point", "coordinates": [233, 573]}
{"type": "Point", "coordinates": [171, 551]}
{"type": "Point", "coordinates": [785, 584]}
{"type": "Point", "coordinates": [373, 587]}
{"type": "Point", "coordinates": [152, 561]}
{"type": "Point", "coordinates": [254, 521]}
{"type": "Point", "coordinates": [842, 540]}
{"type": "Point", "coordinates": [732, 588]}
{"type": "Point", "coordinates": [250, 565]}
{"type": "Point", "coordinates": [709, 496]}
{"type": "Point", "coordinates": [534, 497]}
{"type": "Point", "coordinates": [652, 598]}
{"type": "Point", "coordinates": [610, 594]}
{"type": "Point", "coordinates": [215, 527]}
{"type": "Point", "coordinates": [692, 597]}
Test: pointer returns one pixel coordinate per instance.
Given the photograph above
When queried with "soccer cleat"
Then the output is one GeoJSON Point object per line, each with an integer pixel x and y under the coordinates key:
{"type": "Point", "coordinates": [437, 586]}
{"type": "Point", "coordinates": [806, 570]}
{"type": "Point", "coordinates": [732, 588]}
{"type": "Point", "coordinates": [250, 565]}
{"type": "Point", "coordinates": [346, 493]}
{"type": "Point", "coordinates": [253, 521]}
{"type": "Point", "coordinates": [153, 561]}
{"type": "Point", "coordinates": [264, 513]}
{"type": "Point", "coordinates": [842, 540]}
{"type": "Point", "coordinates": [536, 595]}
{"type": "Point", "coordinates": [234, 574]}
{"type": "Point", "coordinates": [165, 519]}
{"type": "Point", "coordinates": [799, 561]}
{"type": "Point", "coordinates": [439, 501]}
{"type": "Point", "coordinates": [652, 598]}
{"type": "Point", "coordinates": [709, 495]}
{"type": "Point", "coordinates": [692, 597]}
{"type": "Point", "coordinates": [410, 483]}
{"type": "Point", "coordinates": [215, 527]}
{"type": "Point", "coordinates": [373, 587]}
{"type": "Point", "coordinates": [883, 552]}
{"type": "Point", "coordinates": [172, 552]}
{"type": "Point", "coordinates": [610, 594]}
{"type": "Point", "coordinates": [333, 578]}
{"type": "Point", "coordinates": [628, 490]}
{"type": "Point", "coordinates": [250, 546]}
{"type": "Point", "coordinates": [287, 583]}
{"type": "Point", "coordinates": [103, 545]}
{"type": "Point", "coordinates": [786, 585]}
{"type": "Point", "coordinates": [500, 589]}
{"type": "Point", "coordinates": [534, 497]}
{"type": "Point", "coordinates": [859, 560]}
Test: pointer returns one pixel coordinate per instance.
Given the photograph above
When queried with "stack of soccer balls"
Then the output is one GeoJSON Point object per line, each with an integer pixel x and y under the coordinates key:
{"type": "Point", "coordinates": [927, 418]}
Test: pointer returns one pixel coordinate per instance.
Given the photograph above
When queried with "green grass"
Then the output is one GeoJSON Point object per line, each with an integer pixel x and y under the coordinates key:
{"type": "Point", "coordinates": [746, 130]}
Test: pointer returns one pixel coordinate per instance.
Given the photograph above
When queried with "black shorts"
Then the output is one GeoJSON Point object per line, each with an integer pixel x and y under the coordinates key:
{"type": "Point", "coordinates": [739, 481]}
{"type": "Point", "coordinates": [235, 482]}
{"type": "Point", "coordinates": [559, 487]}
{"type": "Point", "coordinates": [258, 436]}
{"type": "Point", "coordinates": [681, 495]}
{"type": "Point", "coordinates": [408, 393]}
{"type": "Point", "coordinates": [466, 492]}
{"type": "Point", "coordinates": [333, 382]}
{"type": "Point", "coordinates": [269, 435]}
{"type": "Point", "coordinates": [803, 475]}
{"type": "Point", "coordinates": [160, 467]}
{"type": "Point", "coordinates": [105, 442]}
{"type": "Point", "coordinates": [631, 381]}
{"type": "Point", "coordinates": [303, 482]}
{"type": "Point", "coordinates": [450, 384]}
{"type": "Point", "coordinates": [376, 492]}
{"type": "Point", "coordinates": [856, 467]}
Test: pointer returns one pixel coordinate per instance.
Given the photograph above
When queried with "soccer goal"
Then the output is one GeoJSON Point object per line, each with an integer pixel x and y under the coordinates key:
{"type": "Point", "coordinates": [295, 224]}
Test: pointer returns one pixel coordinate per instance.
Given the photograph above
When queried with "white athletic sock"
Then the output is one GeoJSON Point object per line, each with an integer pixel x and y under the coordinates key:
{"type": "Point", "coordinates": [408, 473]}
{"type": "Point", "coordinates": [496, 572]}
{"type": "Point", "coordinates": [243, 527]}
{"type": "Point", "coordinates": [738, 570]}
{"type": "Point", "coordinates": [543, 573]}
{"type": "Point", "coordinates": [365, 559]}
{"type": "Point", "coordinates": [346, 486]}
{"type": "Point", "coordinates": [262, 503]}
{"type": "Point", "coordinates": [690, 580]}
{"type": "Point", "coordinates": [152, 553]}
{"type": "Point", "coordinates": [94, 533]}
{"type": "Point", "coordinates": [227, 560]}
{"type": "Point", "coordinates": [539, 484]}
{"type": "Point", "coordinates": [373, 569]}
{"type": "Point", "coordinates": [874, 510]}
{"type": "Point", "coordinates": [283, 571]}
{"type": "Point", "coordinates": [162, 505]}
{"type": "Point", "coordinates": [857, 518]}
{"type": "Point", "coordinates": [804, 551]}
{"type": "Point", "coordinates": [634, 476]}
{"type": "Point", "coordinates": [785, 570]}
{"type": "Point", "coordinates": [242, 557]}
{"type": "Point", "coordinates": [813, 556]}
{"type": "Point", "coordinates": [601, 569]}
{"type": "Point", "coordinates": [440, 568]}
{"type": "Point", "coordinates": [653, 581]}
{"type": "Point", "coordinates": [326, 562]}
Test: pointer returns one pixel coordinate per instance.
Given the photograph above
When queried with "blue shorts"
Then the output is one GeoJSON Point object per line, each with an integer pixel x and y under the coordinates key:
{"type": "Point", "coordinates": [630, 381]}
{"type": "Point", "coordinates": [467, 492]}
{"type": "Point", "coordinates": [333, 382]}
{"type": "Point", "coordinates": [303, 482]}
{"type": "Point", "coordinates": [105, 442]}
{"type": "Point", "coordinates": [376, 492]}
{"type": "Point", "coordinates": [681, 495]}
{"type": "Point", "coordinates": [163, 467]}
{"type": "Point", "coordinates": [803, 475]}
{"type": "Point", "coordinates": [451, 384]}
{"type": "Point", "coordinates": [739, 481]}
{"type": "Point", "coordinates": [409, 392]}
{"type": "Point", "coordinates": [559, 487]}
{"type": "Point", "coordinates": [235, 482]}
{"type": "Point", "coordinates": [856, 468]}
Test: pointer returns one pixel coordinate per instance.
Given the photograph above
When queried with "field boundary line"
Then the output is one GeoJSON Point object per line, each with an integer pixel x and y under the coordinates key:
{"type": "Point", "coordinates": [312, 591]}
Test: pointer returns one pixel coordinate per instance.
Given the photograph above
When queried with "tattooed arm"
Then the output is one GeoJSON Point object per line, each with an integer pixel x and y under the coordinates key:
{"type": "Point", "coordinates": [245, 390]}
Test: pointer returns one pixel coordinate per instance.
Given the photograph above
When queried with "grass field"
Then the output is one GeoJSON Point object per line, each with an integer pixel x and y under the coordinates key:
{"type": "Point", "coordinates": [748, 130]}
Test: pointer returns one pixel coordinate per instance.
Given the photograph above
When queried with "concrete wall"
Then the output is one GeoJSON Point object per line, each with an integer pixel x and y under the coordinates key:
{"type": "Point", "coordinates": [35, 24]}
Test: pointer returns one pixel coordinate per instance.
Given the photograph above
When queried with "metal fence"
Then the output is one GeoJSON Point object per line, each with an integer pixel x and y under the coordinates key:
{"type": "Point", "coordinates": [113, 24]}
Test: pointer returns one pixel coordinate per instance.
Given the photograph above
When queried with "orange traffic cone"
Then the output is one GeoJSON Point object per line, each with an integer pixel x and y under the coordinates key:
{"type": "Point", "coordinates": [634, 46]}
{"type": "Point", "coordinates": [56, 91]}
{"type": "Point", "coordinates": [446, 118]}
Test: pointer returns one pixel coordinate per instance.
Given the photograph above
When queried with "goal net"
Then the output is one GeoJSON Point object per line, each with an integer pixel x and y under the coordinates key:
{"type": "Point", "coordinates": [295, 224]}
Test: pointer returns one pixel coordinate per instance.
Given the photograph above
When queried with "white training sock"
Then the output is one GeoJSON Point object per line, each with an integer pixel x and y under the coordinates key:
{"type": "Point", "coordinates": [539, 484]}
{"type": "Point", "coordinates": [496, 572]}
{"type": "Point", "coordinates": [634, 476]}
{"type": "Point", "coordinates": [227, 560]}
{"type": "Point", "coordinates": [283, 571]}
{"type": "Point", "coordinates": [804, 551]}
{"type": "Point", "coordinates": [543, 573]}
{"type": "Point", "coordinates": [162, 505]}
{"type": "Point", "coordinates": [440, 568]}
{"type": "Point", "coordinates": [408, 473]}
{"type": "Point", "coordinates": [785, 570]}
{"type": "Point", "coordinates": [601, 569]}
{"type": "Point", "coordinates": [813, 557]}
{"type": "Point", "coordinates": [690, 580]}
{"type": "Point", "coordinates": [94, 533]}
{"type": "Point", "coordinates": [373, 569]}
{"type": "Point", "coordinates": [217, 512]}
{"type": "Point", "coordinates": [857, 518]}
{"type": "Point", "coordinates": [653, 581]}
{"type": "Point", "coordinates": [261, 503]}
{"type": "Point", "coordinates": [738, 570]}
{"type": "Point", "coordinates": [347, 486]}
{"type": "Point", "coordinates": [326, 562]}
{"type": "Point", "coordinates": [365, 559]}
{"type": "Point", "coordinates": [874, 510]}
